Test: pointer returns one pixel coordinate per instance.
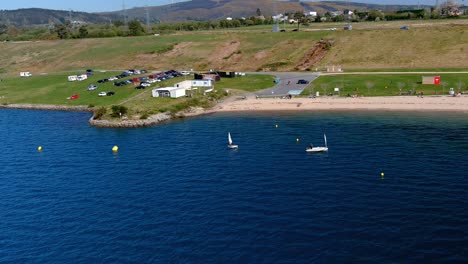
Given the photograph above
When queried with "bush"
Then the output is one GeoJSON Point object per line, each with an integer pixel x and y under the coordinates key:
{"type": "Point", "coordinates": [118, 110]}
{"type": "Point", "coordinates": [144, 116]}
{"type": "Point", "coordinates": [100, 112]}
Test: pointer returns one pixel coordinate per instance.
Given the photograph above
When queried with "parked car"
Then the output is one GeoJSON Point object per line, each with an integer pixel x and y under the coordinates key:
{"type": "Point", "coordinates": [103, 81]}
{"type": "Point", "coordinates": [404, 28]}
{"type": "Point", "coordinates": [302, 81]}
{"type": "Point", "coordinates": [92, 87]}
{"type": "Point", "coordinates": [102, 94]}
{"type": "Point", "coordinates": [140, 87]}
{"type": "Point", "coordinates": [110, 93]}
{"type": "Point", "coordinates": [145, 84]}
{"type": "Point", "coordinates": [73, 97]}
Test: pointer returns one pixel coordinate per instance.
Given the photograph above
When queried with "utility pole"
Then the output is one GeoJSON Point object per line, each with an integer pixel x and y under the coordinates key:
{"type": "Point", "coordinates": [124, 12]}
{"type": "Point", "coordinates": [148, 26]}
{"type": "Point", "coordinates": [275, 11]}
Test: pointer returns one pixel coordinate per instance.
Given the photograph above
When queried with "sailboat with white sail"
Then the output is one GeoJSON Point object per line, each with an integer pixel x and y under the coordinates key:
{"type": "Point", "coordinates": [311, 148]}
{"type": "Point", "coordinates": [230, 145]}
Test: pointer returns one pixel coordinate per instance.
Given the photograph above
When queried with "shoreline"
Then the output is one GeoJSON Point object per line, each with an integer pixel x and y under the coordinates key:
{"type": "Point", "coordinates": [391, 103]}
{"type": "Point", "coordinates": [251, 104]}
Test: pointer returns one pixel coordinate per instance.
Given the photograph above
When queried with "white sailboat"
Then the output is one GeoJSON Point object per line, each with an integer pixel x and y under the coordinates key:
{"type": "Point", "coordinates": [311, 148]}
{"type": "Point", "coordinates": [230, 145]}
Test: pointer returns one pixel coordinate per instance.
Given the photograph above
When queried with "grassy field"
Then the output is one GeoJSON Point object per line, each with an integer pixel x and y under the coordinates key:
{"type": "Point", "coordinates": [385, 85]}
{"type": "Point", "coordinates": [55, 89]}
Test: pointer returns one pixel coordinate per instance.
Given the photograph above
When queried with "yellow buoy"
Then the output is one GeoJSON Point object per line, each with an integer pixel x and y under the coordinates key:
{"type": "Point", "coordinates": [39, 148]}
{"type": "Point", "coordinates": [115, 149]}
{"type": "Point", "coordinates": [276, 125]}
{"type": "Point", "coordinates": [382, 174]}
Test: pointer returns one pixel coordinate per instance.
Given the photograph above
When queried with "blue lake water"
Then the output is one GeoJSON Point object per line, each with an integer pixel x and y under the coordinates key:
{"type": "Point", "coordinates": [175, 194]}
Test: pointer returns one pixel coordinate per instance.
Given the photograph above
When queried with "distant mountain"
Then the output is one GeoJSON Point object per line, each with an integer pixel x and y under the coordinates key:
{"type": "Point", "coordinates": [38, 16]}
{"type": "Point", "coordinates": [199, 10]}
{"type": "Point", "coordinates": [203, 10]}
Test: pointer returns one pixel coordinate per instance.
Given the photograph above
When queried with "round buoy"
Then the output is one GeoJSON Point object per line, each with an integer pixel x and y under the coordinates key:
{"type": "Point", "coordinates": [276, 125]}
{"type": "Point", "coordinates": [382, 174]}
{"type": "Point", "coordinates": [297, 139]}
{"type": "Point", "coordinates": [115, 149]}
{"type": "Point", "coordinates": [39, 148]}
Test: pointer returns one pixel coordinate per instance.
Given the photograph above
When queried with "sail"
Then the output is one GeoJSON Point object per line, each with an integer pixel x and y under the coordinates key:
{"type": "Point", "coordinates": [229, 138]}
{"type": "Point", "coordinates": [325, 138]}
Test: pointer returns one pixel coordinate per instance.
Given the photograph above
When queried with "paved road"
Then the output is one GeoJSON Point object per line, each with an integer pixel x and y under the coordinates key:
{"type": "Point", "coordinates": [288, 82]}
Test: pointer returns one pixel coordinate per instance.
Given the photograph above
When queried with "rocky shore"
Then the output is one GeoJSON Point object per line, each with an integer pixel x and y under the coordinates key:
{"type": "Point", "coordinates": [131, 123]}
{"type": "Point", "coordinates": [80, 108]}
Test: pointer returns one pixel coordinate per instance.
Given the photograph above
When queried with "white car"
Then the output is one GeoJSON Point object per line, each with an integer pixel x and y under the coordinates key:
{"type": "Point", "coordinates": [102, 94]}
{"type": "Point", "coordinates": [92, 87]}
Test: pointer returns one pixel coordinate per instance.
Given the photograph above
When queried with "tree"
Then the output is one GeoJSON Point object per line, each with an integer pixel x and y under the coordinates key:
{"type": "Point", "coordinates": [62, 31]}
{"type": "Point", "coordinates": [135, 28]}
{"type": "Point", "coordinates": [83, 31]}
{"type": "Point", "coordinates": [3, 29]}
{"type": "Point", "coordinates": [258, 12]}
{"type": "Point", "coordinates": [118, 23]}
{"type": "Point", "coordinates": [375, 15]}
{"type": "Point", "coordinates": [299, 16]}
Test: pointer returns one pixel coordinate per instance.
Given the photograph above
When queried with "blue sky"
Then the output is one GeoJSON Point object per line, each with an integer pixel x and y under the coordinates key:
{"type": "Point", "coordinates": [112, 5]}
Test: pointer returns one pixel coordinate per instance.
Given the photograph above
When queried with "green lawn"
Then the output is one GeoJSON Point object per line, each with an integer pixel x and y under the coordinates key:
{"type": "Point", "coordinates": [385, 85]}
{"type": "Point", "coordinates": [248, 83]}
{"type": "Point", "coordinates": [55, 89]}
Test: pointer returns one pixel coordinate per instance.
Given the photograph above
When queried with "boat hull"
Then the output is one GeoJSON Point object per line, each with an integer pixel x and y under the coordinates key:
{"type": "Point", "coordinates": [317, 149]}
{"type": "Point", "coordinates": [233, 146]}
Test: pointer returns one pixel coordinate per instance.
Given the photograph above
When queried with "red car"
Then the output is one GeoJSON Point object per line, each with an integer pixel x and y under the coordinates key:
{"type": "Point", "coordinates": [74, 97]}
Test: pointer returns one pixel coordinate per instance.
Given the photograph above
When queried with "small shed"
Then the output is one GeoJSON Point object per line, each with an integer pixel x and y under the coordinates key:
{"type": "Point", "coordinates": [431, 80]}
{"type": "Point", "coordinates": [173, 92]}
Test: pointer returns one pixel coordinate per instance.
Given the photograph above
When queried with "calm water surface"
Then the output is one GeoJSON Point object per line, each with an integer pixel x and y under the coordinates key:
{"type": "Point", "coordinates": [175, 194]}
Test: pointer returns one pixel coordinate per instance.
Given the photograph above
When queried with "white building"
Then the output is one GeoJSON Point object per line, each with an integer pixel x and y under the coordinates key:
{"type": "Point", "coordinates": [185, 84]}
{"type": "Point", "coordinates": [202, 83]}
{"type": "Point", "coordinates": [194, 83]}
{"type": "Point", "coordinates": [173, 92]}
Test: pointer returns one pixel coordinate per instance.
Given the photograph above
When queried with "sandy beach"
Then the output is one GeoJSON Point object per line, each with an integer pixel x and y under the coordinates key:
{"type": "Point", "coordinates": [404, 103]}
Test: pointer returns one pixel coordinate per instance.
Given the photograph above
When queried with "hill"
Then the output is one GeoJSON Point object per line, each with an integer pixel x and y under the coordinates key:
{"type": "Point", "coordinates": [368, 46]}
{"type": "Point", "coordinates": [202, 10]}
{"type": "Point", "coordinates": [199, 10]}
{"type": "Point", "coordinates": [38, 16]}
